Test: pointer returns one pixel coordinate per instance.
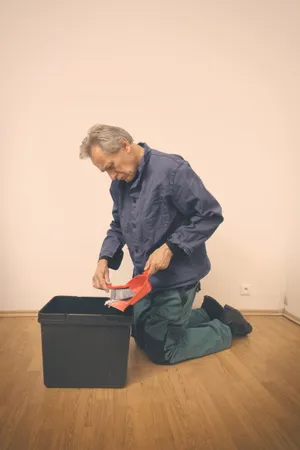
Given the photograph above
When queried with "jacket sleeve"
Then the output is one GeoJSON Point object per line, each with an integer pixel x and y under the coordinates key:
{"type": "Point", "coordinates": [114, 242]}
{"type": "Point", "coordinates": [202, 211]}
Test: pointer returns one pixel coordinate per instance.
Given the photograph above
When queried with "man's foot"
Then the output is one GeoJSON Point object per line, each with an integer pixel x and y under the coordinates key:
{"type": "Point", "coordinates": [212, 308]}
{"type": "Point", "coordinates": [237, 323]}
{"type": "Point", "coordinates": [227, 315]}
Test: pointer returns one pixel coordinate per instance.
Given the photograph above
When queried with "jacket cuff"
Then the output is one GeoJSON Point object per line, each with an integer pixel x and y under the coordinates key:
{"type": "Point", "coordinates": [114, 261]}
{"type": "Point", "coordinates": [175, 249]}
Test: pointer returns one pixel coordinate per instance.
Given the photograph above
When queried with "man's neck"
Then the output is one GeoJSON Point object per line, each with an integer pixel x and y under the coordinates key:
{"type": "Point", "coordinates": [139, 152]}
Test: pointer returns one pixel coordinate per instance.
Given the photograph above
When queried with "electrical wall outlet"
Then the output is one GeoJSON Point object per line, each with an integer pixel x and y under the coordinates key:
{"type": "Point", "coordinates": [245, 289]}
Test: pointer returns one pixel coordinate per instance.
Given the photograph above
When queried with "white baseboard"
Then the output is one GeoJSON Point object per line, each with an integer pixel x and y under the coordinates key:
{"type": "Point", "coordinates": [291, 317]}
{"type": "Point", "coordinates": [247, 312]}
{"type": "Point", "coordinates": [250, 312]}
{"type": "Point", "coordinates": [16, 313]}
{"type": "Point", "coordinates": [262, 312]}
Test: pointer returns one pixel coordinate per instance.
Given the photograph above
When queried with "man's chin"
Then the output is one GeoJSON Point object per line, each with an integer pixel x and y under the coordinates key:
{"type": "Point", "coordinates": [129, 178]}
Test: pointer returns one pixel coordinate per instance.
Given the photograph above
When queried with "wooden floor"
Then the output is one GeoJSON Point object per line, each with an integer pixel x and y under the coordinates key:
{"type": "Point", "coordinates": [245, 398]}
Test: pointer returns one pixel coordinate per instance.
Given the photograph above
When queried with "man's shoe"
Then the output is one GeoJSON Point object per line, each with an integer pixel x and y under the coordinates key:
{"type": "Point", "coordinates": [212, 308]}
{"type": "Point", "coordinates": [236, 322]}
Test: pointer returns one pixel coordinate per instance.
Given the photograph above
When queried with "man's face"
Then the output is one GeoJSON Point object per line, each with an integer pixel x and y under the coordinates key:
{"type": "Point", "coordinates": [121, 165]}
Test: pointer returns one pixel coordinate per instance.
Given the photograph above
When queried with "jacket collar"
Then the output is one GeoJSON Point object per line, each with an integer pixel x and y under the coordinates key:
{"type": "Point", "coordinates": [143, 164]}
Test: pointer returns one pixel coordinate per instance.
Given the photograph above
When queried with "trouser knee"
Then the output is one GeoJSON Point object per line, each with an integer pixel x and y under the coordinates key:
{"type": "Point", "coordinates": [155, 349]}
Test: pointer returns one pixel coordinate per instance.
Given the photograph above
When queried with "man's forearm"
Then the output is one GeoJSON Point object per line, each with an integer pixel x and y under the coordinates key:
{"type": "Point", "coordinates": [114, 242]}
{"type": "Point", "coordinates": [194, 202]}
{"type": "Point", "coordinates": [111, 249]}
{"type": "Point", "coordinates": [188, 237]}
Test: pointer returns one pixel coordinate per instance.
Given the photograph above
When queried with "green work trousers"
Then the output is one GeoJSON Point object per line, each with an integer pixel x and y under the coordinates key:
{"type": "Point", "coordinates": [169, 331]}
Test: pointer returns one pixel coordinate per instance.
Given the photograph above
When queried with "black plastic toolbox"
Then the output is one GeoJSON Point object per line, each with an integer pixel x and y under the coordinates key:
{"type": "Point", "coordinates": [84, 343]}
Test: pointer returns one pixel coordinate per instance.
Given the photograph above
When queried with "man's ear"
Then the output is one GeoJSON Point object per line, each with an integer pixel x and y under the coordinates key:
{"type": "Point", "coordinates": [126, 146]}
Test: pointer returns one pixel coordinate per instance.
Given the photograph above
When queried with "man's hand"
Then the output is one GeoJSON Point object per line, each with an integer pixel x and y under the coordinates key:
{"type": "Point", "coordinates": [101, 277]}
{"type": "Point", "coordinates": [159, 260]}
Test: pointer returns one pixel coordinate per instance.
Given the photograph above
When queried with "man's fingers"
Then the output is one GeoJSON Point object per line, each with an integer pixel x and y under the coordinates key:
{"type": "Point", "coordinates": [99, 283]}
{"type": "Point", "coordinates": [147, 265]}
{"type": "Point", "coordinates": [103, 284]}
{"type": "Point", "coordinates": [151, 266]}
{"type": "Point", "coordinates": [106, 278]}
{"type": "Point", "coordinates": [95, 283]}
{"type": "Point", "coordinates": [157, 261]}
{"type": "Point", "coordinates": [152, 269]}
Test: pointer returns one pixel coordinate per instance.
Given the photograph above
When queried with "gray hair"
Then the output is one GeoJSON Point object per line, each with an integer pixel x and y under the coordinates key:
{"type": "Point", "coordinates": [110, 139]}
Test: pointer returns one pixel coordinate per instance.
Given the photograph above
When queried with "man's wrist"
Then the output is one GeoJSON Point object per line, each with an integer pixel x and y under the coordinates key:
{"type": "Point", "coordinates": [168, 249]}
{"type": "Point", "coordinates": [104, 258]}
{"type": "Point", "coordinates": [174, 248]}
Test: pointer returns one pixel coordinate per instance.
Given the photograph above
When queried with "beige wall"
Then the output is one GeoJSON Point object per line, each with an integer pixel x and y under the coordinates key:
{"type": "Point", "coordinates": [293, 279]}
{"type": "Point", "coordinates": [213, 81]}
{"type": "Point", "coordinates": [293, 272]}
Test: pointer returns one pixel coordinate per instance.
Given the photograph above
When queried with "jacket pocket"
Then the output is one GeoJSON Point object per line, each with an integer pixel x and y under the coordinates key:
{"type": "Point", "coordinates": [157, 214]}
